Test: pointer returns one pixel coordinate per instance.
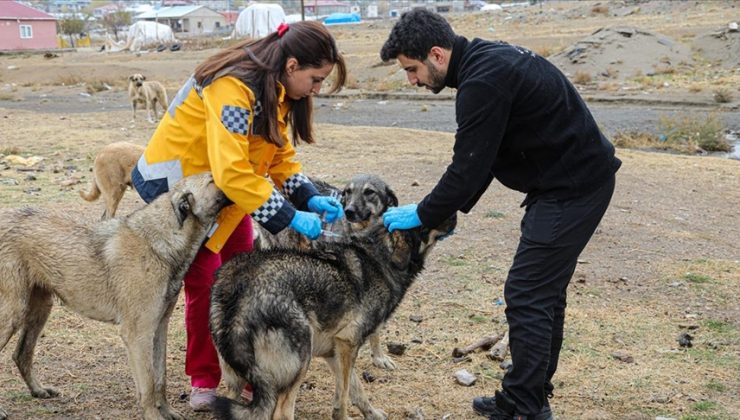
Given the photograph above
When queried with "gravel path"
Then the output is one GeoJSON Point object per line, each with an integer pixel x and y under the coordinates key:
{"type": "Point", "coordinates": [434, 115]}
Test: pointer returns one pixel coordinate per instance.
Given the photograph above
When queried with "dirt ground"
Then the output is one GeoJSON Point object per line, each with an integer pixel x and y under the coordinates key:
{"type": "Point", "coordinates": [664, 261]}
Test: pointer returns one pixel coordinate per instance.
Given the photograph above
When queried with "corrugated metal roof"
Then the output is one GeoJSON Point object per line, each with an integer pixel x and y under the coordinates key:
{"type": "Point", "coordinates": [171, 12]}
{"type": "Point", "coordinates": [14, 10]}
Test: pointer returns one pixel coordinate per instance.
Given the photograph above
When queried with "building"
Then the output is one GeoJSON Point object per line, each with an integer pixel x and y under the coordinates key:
{"type": "Point", "coordinates": [26, 28]}
{"type": "Point", "coordinates": [326, 7]}
{"type": "Point", "coordinates": [194, 20]}
{"type": "Point", "coordinates": [68, 6]}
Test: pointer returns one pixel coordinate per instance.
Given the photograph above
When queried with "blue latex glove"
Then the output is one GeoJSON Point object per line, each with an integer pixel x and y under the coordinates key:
{"type": "Point", "coordinates": [307, 224]}
{"type": "Point", "coordinates": [327, 206]}
{"type": "Point", "coordinates": [404, 217]}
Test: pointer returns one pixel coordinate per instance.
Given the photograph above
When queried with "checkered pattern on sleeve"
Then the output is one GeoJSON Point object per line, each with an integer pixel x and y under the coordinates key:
{"type": "Point", "coordinates": [294, 182]}
{"type": "Point", "coordinates": [271, 207]}
{"type": "Point", "coordinates": [235, 119]}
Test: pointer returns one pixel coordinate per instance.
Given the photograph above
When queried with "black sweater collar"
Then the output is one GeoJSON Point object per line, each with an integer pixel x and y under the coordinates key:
{"type": "Point", "coordinates": [458, 49]}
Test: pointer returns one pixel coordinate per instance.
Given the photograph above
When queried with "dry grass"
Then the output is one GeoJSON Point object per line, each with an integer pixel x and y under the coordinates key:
{"type": "Point", "coordinates": [722, 95]}
{"type": "Point", "coordinates": [582, 77]}
{"type": "Point", "coordinates": [706, 133]}
{"type": "Point", "coordinates": [684, 134]}
{"type": "Point", "coordinates": [622, 296]}
{"type": "Point", "coordinates": [600, 9]}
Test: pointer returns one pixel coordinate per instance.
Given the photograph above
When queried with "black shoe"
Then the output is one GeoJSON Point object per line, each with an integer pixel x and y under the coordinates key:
{"type": "Point", "coordinates": [504, 409]}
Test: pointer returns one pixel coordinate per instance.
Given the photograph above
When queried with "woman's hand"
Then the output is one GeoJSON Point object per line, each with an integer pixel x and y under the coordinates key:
{"type": "Point", "coordinates": [307, 224]}
{"type": "Point", "coordinates": [328, 207]}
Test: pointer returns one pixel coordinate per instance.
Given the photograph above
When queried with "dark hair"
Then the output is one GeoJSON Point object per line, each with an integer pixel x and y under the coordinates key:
{"type": "Point", "coordinates": [261, 64]}
{"type": "Point", "coordinates": [416, 33]}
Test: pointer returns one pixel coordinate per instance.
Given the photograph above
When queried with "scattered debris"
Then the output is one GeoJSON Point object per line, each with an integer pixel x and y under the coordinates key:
{"type": "Point", "coordinates": [20, 160]}
{"type": "Point", "coordinates": [623, 356]}
{"type": "Point", "coordinates": [397, 349]}
{"type": "Point", "coordinates": [416, 318]}
{"type": "Point", "coordinates": [367, 376]}
{"type": "Point", "coordinates": [462, 359]}
{"type": "Point", "coordinates": [684, 339]}
{"type": "Point", "coordinates": [465, 378]}
{"type": "Point", "coordinates": [499, 351]}
{"type": "Point", "coordinates": [484, 343]}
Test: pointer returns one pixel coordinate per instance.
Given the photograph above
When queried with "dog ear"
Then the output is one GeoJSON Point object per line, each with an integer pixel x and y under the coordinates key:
{"type": "Point", "coordinates": [401, 251]}
{"type": "Point", "coordinates": [182, 207]}
{"type": "Point", "coordinates": [143, 77]}
{"type": "Point", "coordinates": [392, 199]}
{"type": "Point", "coordinates": [131, 78]}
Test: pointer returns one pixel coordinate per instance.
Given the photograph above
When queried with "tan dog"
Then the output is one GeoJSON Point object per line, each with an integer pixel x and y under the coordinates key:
{"type": "Point", "coordinates": [112, 174]}
{"type": "Point", "coordinates": [148, 93]}
{"type": "Point", "coordinates": [126, 271]}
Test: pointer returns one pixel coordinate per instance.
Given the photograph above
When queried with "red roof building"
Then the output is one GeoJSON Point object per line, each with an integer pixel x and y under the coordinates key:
{"type": "Point", "coordinates": [26, 28]}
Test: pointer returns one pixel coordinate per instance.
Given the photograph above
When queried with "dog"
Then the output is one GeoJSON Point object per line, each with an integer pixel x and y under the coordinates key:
{"type": "Point", "coordinates": [272, 310]}
{"type": "Point", "coordinates": [365, 198]}
{"type": "Point", "coordinates": [112, 174]}
{"type": "Point", "coordinates": [125, 271]}
{"type": "Point", "coordinates": [149, 93]}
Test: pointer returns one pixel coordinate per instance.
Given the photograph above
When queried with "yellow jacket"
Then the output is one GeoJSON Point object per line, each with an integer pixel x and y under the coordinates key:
{"type": "Point", "coordinates": [210, 129]}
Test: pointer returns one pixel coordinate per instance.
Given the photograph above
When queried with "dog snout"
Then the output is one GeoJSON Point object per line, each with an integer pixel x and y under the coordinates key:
{"type": "Point", "coordinates": [351, 213]}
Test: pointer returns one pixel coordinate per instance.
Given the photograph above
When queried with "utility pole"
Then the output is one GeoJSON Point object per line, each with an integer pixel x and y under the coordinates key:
{"type": "Point", "coordinates": [303, 11]}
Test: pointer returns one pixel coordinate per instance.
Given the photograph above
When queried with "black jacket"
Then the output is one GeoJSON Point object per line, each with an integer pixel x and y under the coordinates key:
{"type": "Point", "coordinates": [521, 121]}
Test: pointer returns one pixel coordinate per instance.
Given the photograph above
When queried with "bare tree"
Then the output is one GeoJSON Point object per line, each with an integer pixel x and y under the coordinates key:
{"type": "Point", "coordinates": [71, 26]}
{"type": "Point", "coordinates": [116, 21]}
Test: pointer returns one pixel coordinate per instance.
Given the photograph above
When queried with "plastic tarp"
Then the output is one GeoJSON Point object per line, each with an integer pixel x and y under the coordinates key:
{"type": "Point", "coordinates": [259, 20]}
{"type": "Point", "coordinates": [342, 18]}
{"type": "Point", "coordinates": [141, 34]}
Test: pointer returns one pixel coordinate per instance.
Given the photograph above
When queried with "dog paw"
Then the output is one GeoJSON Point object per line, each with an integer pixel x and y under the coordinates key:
{"type": "Point", "coordinates": [376, 415]}
{"type": "Point", "coordinates": [168, 413]}
{"type": "Point", "coordinates": [44, 393]}
{"type": "Point", "coordinates": [384, 362]}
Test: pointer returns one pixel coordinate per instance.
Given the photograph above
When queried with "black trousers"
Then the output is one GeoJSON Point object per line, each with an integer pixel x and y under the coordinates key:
{"type": "Point", "coordinates": [554, 232]}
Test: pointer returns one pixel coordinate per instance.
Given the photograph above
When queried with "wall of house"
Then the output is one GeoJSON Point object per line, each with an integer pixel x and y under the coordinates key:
{"type": "Point", "coordinates": [207, 23]}
{"type": "Point", "coordinates": [44, 35]}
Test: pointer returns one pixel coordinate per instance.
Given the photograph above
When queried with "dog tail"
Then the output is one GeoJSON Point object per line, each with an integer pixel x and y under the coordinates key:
{"type": "Point", "coordinates": [260, 408]}
{"type": "Point", "coordinates": [94, 193]}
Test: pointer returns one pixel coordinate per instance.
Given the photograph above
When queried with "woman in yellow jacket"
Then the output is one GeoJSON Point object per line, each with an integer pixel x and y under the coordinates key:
{"type": "Point", "coordinates": [231, 119]}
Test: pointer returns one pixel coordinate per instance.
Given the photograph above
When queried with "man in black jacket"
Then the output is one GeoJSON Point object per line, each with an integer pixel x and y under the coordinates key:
{"type": "Point", "coordinates": [522, 122]}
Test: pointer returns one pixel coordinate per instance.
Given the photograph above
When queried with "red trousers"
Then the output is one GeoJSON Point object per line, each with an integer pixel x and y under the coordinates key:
{"type": "Point", "coordinates": [201, 359]}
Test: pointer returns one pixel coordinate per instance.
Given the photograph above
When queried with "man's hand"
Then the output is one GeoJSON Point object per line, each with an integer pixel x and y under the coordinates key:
{"type": "Point", "coordinates": [307, 224]}
{"type": "Point", "coordinates": [404, 217]}
{"type": "Point", "coordinates": [329, 207]}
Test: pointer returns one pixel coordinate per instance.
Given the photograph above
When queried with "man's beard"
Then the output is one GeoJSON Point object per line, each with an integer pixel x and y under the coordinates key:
{"type": "Point", "coordinates": [437, 78]}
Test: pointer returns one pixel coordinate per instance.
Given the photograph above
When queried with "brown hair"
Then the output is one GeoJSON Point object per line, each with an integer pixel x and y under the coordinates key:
{"type": "Point", "coordinates": [261, 65]}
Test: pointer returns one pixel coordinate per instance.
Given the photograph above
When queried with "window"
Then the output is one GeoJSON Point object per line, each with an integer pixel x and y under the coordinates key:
{"type": "Point", "coordinates": [26, 31]}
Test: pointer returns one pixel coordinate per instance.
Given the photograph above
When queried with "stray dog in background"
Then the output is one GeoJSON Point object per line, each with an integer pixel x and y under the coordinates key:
{"type": "Point", "coordinates": [149, 93]}
{"type": "Point", "coordinates": [272, 310]}
{"type": "Point", "coordinates": [365, 198]}
{"type": "Point", "coordinates": [126, 271]}
{"type": "Point", "coordinates": [112, 174]}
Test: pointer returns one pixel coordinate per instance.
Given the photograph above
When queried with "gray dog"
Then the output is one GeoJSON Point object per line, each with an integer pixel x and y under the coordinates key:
{"type": "Point", "coordinates": [365, 198]}
{"type": "Point", "coordinates": [125, 271]}
{"type": "Point", "coordinates": [272, 310]}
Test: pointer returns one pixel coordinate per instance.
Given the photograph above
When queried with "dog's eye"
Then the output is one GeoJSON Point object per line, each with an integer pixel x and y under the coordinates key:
{"type": "Point", "coordinates": [368, 193]}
